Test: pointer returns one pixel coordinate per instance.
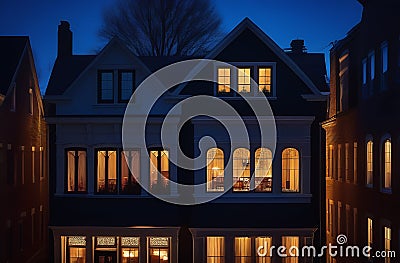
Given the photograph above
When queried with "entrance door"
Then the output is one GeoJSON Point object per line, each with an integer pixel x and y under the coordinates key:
{"type": "Point", "coordinates": [105, 257]}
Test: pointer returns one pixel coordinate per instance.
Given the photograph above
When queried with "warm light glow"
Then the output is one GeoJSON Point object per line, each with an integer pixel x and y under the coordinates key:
{"type": "Point", "coordinates": [241, 170]}
{"type": "Point", "coordinates": [369, 162]}
{"type": "Point", "coordinates": [388, 164]}
{"type": "Point", "coordinates": [290, 170]}
{"type": "Point", "coordinates": [243, 249]}
{"type": "Point", "coordinates": [244, 80]}
{"type": "Point", "coordinates": [215, 170]}
{"type": "Point", "coordinates": [215, 249]}
{"type": "Point", "coordinates": [263, 170]}
{"type": "Point", "coordinates": [224, 79]}
{"type": "Point", "coordinates": [264, 80]}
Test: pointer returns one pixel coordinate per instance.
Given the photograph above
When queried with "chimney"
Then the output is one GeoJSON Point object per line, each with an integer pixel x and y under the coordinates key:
{"type": "Point", "coordinates": [64, 40]}
{"type": "Point", "coordinates": [297, 46]}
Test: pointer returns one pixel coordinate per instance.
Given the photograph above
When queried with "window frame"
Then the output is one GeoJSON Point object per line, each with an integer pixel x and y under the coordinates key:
{"type": "Point", "coordinates": [136, 188]}
{"type": "Point", "coordinates": [385, 140]}
{"type": "Point", "coordinates": [269, 171]}
{"type": "Point", "coordinates": [100, 86]}
{"type": "Point", "coordinates": [106, 175]}
{"type": "Point", "coordinates": [120, 72]}
{"type": "Point", "coordinates": [299, 170]}
{"type": "Point", "coordinates": [244, 171]}
{"type": "Point", "coordinates": [76, 176]}
{"type": "Point", "coordinates": [208, 163]}
{"type": "Point", "coordinates": [167, 188]}
{"type": "Point", "coordinates": [245, 76]}
{"type": "Point", "coordinates": [369, 174]}
{"type": "Point", "coordinates": [230, 92]}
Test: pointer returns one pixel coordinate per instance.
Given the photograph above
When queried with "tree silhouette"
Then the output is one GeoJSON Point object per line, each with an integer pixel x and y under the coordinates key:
{"type": "Point", "coordinates": [163, 27]}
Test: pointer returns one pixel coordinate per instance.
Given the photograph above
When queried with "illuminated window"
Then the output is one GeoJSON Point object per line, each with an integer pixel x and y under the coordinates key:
{"type": "Point", "coordinates": [76, 249]}
{"type": "Point", "coordinates": [339, 162]}
{"type": "Point", "coordinates": [241, 170]}
{"type": "Point", "coordinates": [370, 232]}
{"type": "Point", "coordinates": [130, 249]}
{"type": "Point", "coordinates": [159, 249]}
{"type": "Point", "coordinates": [224, 80]}
{"type": "Point", "coordinates": [355, 163]}
{"type": "Point", "coordinates": [263, 249]}
{"type": "Point", "coordinates": [130, 172]}
{"type": "Point", "coordinates": [264, 80]}
{"type": "Point", "coordinates": [243, 250]}
{"type": "Point", "coordinates": [330, 161]}
{"type": "Point", "coordinates": [291, 243]}
{"type": "Point", "coordinates": [263, 170]}
{"type": "Point", "coordinates": [125, 85]}
{"type": "Point", "coordinates": [290, 170]}
{"type": "Point", "coordinates": [331, 210]}
{"type": "Point", "coordinates": [215, 170]}
{"type": "Point", "coordinates": [346, 162]}
{"type": "Point", "coordinates": [76, 170]}
{"type": "Point", "coordinates": [105, 86]}
{"type": "Point", "coordinates": [106, 171]}
{"type": "Point", "coordinates": [30, 101]}
{"type": "Point", "coordinates": [33, 164]}
{"type": "Point", "coordinates": [388, 164]}
{"type": "Point", "coordinates": [388, 237]}
{"type": "Point", "coordinates": [159, 171]}
{"type": "Point", "coordinates": [215, 250]}
{"type": "Point", "coordinates": [369, 162]}
{"type": "Point", "coordinates": [244, 80]}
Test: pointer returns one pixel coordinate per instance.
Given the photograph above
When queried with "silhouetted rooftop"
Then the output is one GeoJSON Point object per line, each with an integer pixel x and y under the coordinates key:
{"type": "Point", "coordinates": [11, 50]}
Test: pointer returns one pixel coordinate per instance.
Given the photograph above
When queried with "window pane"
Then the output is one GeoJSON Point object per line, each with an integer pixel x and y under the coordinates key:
{"type": "Point", "coordinates": [107, 171]}
{"type": "Point", "coordinates": [126, 87]}
{"type": "Point", "coordinates": [130, 174]}
{"type": "Point", "coordinates": [224, 80]}
{"type": "Point", "coordinates": [130, 255]}
{"type": "Point", "coordinates": [290, 170]}
{"type": "Point", "coordinates": [263, 249]}
{"type": "Point", "coordinates": [372, 65]}
{"type": "Point", "coordinates": [215, 250]}
{"type": "Point", "coordinates": [264, 80]}
{"type": "Point", "coordinates": [369, 162]}
{"type": "Point", "coordinates": [81, 171]}
{"type": "Point", "coordinates": [263, 170]}
{"type": "Point", "coordinates": [244, 80]}
{"type": "Point", "coordinates": [159, 170]}
{"type": "Point", "coordinates": [106, 85]}
{"type": "Point", "coordinates": [159, 249]}
{"type": "Point", "coordinates": [71, 170]}
{"type": "Point", "coordinates": [384, 58]}
{"type": "Point", "coordinates": [101, 171]}
{"type": "Point", "coordinates": [291, 244]}
{"type": "Point", "coordinates": [243, 250]}
{"type": "Point", "coordinates": [364, 71]}
{"type": "Point", "coordinates": [112, 171]}
{"type": "Point", "coordinates": [215, 170]}
{"type": "Point", "coordinates": [388, 164]}
{"type": "Point", "coordinates": [241, 170]}
{"type": "Point", "coordinates": [370, 231]}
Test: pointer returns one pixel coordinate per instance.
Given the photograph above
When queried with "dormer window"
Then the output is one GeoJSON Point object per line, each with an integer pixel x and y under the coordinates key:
{"type": "Point", "coordinates": [106, 86]}
{"type": "Point", "coordinates": [264, 80]}
{"type": "Point", "coordinates": [224, 80]}
{"type": "Point", "coordinates": [125, 85]}
{"type": "Point", "coordinates": [244, 80]}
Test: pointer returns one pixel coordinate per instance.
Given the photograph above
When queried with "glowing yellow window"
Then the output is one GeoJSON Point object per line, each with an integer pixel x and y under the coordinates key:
{"type": "Point", "coordinates": [264, 80]}
{"type": "Point", "coordinates": [215, 250]}
{"type": "Point", "coordinates": [215, 170]}
{"type": "Point", "coordinates": [224, 79]}
{"type": "Point", "coordinates": [244, 80]}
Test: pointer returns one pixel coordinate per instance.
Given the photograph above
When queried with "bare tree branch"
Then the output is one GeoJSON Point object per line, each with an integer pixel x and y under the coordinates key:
{"type": "Point", "coordinates": [163, 27]}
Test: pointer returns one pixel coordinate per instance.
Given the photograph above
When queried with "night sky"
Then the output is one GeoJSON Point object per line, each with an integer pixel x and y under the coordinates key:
{"type": "Point", "coordinates": [318, 22]}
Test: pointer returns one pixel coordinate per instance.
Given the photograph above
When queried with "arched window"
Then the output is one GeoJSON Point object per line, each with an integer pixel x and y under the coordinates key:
{"type": "Point", "coordinates": [263, 170]}
{"type": "Point", "coordinates": [369, 162]}
{"type": "Point", "coordinates": [215, 170]}
{"type": "Point", "coordinates": [388, 164]}
{"type": "Point", "coordinates": [241, 170]}
{"type": "Point", "coordinates": [290, 170]}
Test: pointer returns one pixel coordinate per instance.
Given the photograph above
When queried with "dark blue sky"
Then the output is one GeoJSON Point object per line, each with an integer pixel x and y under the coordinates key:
{"type": "Point", "coordinates": [318, 22]}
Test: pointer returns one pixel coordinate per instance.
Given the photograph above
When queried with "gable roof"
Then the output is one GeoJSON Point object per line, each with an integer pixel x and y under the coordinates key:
{"type": "Point", "coordinates": [248, 24]}
{"type": "Point", "coordinates": [11, 51]}
{"type": "Point", "coordinates": [65, 71]}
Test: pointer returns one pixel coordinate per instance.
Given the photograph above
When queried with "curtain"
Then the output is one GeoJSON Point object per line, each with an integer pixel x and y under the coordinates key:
{"type": "Point", "coordinates": [81, 171]}
{"type": "Point", "coordinates": [71, 170]}
{"type": "Point", "coordinates": [215, 249]}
